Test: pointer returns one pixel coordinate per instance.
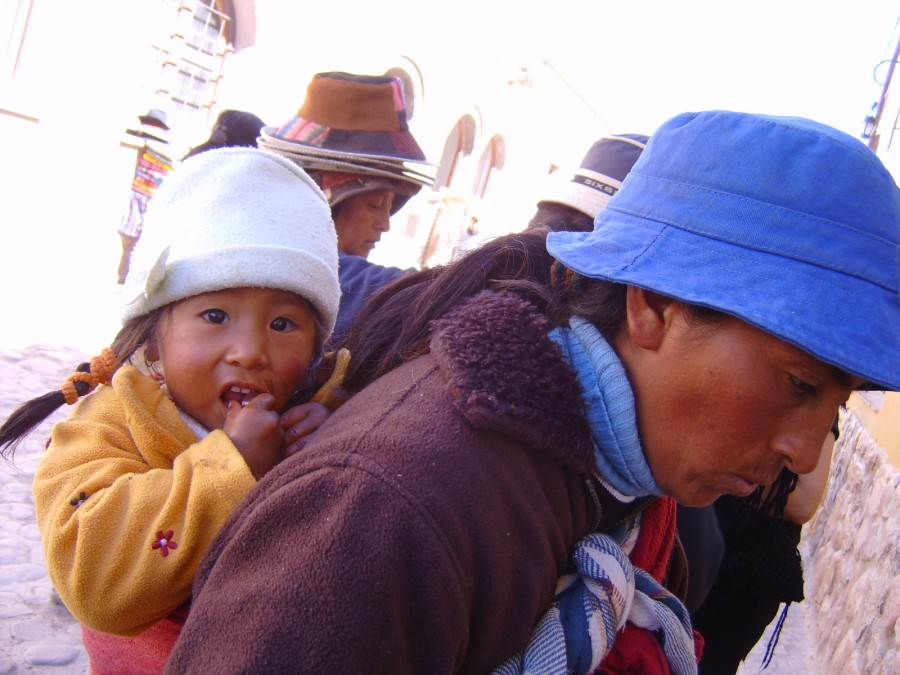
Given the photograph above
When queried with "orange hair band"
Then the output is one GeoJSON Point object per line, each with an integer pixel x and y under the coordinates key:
{"type": "Point", "coordinates": [102, 368]}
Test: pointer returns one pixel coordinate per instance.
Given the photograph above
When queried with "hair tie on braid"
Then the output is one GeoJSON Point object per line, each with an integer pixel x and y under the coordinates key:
{"type": "Point", "coordinates": [104, 365]}
{"type": "Point", "coordinates": [77, 384]}
{"type": "Point", "coordinates": [68, 390]}
{"type": "Point", "coordinates": [88, 375]}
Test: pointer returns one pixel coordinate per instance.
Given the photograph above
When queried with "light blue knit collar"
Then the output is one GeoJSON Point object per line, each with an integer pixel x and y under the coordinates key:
{"type": "Point", "coordinates": [609, 408]}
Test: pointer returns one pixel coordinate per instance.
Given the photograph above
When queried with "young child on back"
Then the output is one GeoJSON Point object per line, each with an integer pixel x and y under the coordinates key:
{"type": "Point", "coordinates": [232, 292]}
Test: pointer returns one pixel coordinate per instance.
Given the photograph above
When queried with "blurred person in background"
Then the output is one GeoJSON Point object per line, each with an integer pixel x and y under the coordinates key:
{"type": "Point", "coordinates": [233, 128]}
{"type": "Point", "coordinates": [150, 168]}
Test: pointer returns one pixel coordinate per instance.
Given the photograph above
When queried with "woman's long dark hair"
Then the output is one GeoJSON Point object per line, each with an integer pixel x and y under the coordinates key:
{"type": "Point", "coordinates": [393, 325]}
{"type": "Point", "coordinates": [138, 333]}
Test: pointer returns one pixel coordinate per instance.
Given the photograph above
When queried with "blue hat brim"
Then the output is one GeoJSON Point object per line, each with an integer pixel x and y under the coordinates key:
{"type": "Point", "coordinates": [814, 308]}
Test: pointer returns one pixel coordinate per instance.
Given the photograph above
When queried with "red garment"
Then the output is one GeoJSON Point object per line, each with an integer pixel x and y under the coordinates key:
{"type": "Point", "coordinates": [654, 545]}
{"type": "Point", "coordinates": [637, 650]}
{"type": "Point", "coordinates": [144, 654]}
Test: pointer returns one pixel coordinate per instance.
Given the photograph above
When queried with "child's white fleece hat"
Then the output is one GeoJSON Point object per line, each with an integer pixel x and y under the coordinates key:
{"type": "Point", "coordinates": [235, 218]}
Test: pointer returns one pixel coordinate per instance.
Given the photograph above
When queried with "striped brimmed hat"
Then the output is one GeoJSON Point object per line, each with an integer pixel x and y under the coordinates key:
{"type": "Point", "coordinates": [600, 175]}
{"type": "Point", "coordinates": [356, 114]}
{"type": "Point", "coordinates": [353, 124]}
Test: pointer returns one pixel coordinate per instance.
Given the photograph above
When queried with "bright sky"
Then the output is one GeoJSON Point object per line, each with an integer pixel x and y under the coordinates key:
{"type": "Point", "coordinates": [640, 62]}
{"type": "Point", "coordinates": [797, 57]}
{"type": "Point", "coordinates": [637, 62]}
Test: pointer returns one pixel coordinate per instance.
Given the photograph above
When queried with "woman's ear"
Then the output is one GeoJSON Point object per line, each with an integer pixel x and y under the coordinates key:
{"type": "Point", "coordinates": [649, 316]}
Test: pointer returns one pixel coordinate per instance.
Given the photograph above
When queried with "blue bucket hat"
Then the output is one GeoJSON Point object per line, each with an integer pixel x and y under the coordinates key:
{"type": "Point", "coordinates": [783, 222]}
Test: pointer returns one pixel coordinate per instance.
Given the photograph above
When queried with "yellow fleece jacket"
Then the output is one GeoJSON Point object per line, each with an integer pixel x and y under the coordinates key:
{"type": "Point", "coordinates": [128, 500]}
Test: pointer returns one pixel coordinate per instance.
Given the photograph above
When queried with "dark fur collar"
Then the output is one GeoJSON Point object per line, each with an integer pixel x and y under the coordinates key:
{"type": "Point", "coordinates": [507, 375]}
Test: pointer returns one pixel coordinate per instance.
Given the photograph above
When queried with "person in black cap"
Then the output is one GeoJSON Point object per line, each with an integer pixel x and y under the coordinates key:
{"type": "Point", "coordinates": [233, 128]}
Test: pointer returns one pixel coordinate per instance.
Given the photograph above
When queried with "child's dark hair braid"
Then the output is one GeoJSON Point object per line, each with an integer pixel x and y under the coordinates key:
{"type": "Point", "coordinates": [135, 334]}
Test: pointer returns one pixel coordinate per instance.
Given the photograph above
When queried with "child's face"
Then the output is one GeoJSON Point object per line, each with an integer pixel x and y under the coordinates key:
{"type": "Point", "coordinates": [232, 345]}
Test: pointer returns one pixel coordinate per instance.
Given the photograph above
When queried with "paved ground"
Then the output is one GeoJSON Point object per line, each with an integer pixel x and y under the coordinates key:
{"type": "Point", "coordinates": [38, 635]}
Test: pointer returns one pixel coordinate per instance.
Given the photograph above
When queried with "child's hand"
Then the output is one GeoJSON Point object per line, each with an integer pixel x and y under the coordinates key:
{"type": "Point", "coordinates": [256, 432]}
{"type": "Point", "coordinates": [300, 421]}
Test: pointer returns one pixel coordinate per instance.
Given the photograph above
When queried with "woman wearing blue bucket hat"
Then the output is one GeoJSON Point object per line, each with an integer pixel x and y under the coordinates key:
{"type": "Point", "coordinates": [498, 494]}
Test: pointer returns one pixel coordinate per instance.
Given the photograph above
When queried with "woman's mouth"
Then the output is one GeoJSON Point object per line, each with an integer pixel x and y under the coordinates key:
{"type": "Point", "coordinates": [742, 487]}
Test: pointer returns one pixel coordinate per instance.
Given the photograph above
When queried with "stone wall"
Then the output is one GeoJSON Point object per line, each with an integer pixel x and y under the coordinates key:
{"type": "Point", "coordinates": [851, 553]}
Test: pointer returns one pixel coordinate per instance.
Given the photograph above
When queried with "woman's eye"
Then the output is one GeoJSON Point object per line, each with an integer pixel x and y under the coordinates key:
{"type": "Point", "coordinates": [802, 389]}
{"type": "Point", "coordinates": [282, 324]}
{"type": "Point", "coordinates": [216, 316]}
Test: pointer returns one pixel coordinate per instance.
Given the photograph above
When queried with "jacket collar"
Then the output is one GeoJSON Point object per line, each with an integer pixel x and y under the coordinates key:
{"type": "Point", "coordinates": [505, 374]}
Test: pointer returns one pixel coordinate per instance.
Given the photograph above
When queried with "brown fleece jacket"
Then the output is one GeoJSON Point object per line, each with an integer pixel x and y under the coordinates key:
{"type": "Point", "coordinates": [423, 528]}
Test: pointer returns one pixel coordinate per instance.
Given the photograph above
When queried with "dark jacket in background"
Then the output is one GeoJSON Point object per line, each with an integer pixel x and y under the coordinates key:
{"type": "Point", "coordinates": [359, 279]}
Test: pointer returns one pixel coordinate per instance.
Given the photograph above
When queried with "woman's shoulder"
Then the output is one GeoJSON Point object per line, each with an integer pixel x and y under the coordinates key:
{"type": "Point", "coordinates": [496, 333]}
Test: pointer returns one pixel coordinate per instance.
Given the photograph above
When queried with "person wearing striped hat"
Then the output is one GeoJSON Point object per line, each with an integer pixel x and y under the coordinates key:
{"type": "Point", "coordinates": [351, 135]}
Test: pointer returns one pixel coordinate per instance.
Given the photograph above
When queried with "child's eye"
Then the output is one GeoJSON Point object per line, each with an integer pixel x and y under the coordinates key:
{"type": "Point", "coordinates": [282, 324]}
{"type": "Point", "coordinates": [216, 316]}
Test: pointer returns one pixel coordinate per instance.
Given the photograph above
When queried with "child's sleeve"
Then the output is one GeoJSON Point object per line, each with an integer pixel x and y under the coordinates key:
{"type": "Point", "coordinates": [127, 503]}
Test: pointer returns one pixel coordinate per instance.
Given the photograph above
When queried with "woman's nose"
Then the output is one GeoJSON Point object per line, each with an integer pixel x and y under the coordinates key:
{"type": "Point", "coordinates": [800, 448]}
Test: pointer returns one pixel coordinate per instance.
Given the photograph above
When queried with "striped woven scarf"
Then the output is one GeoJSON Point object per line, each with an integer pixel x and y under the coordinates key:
{"type": "Point", "coordinates": [592, 605]}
